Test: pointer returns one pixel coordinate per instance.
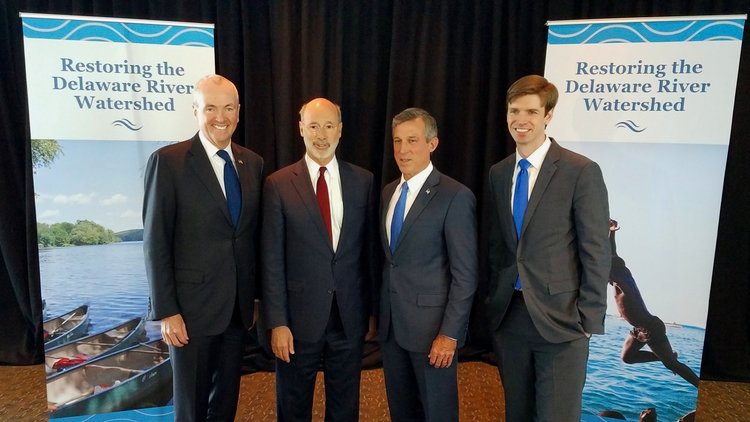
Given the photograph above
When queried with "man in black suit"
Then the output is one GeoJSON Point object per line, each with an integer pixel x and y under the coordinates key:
{"type": "Point", "coordinates": [429, 238]}
{"type": "Point", "coordinates": [317, 252]}
{"type": "Point", "coordinates": [199, 242]}
{"type": "Point", "coordinates": [549, 265]}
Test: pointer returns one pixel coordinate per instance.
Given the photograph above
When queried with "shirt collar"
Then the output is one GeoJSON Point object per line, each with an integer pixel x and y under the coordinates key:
{"type": "Point", "coordinates": [314, 168]}
{"type": "Point", "coordinates": [537, 157]}
{"type": "Point", "coordinates": [416, 181]}
{"type": "Point", "coordinates": [211, 149]}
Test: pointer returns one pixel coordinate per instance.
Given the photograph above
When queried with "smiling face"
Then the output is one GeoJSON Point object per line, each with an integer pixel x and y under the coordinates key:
{"type": "Point", "coordinates": [411, 148]}
{"type": "Point", "coordinates": [320, 127]}
{"type": "Point", "coordinates": [217, 108]}
{"type": "Point", "coordinates": [526, 122]}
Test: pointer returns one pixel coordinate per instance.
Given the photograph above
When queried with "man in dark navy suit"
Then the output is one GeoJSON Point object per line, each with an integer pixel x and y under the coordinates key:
{"type": "Point", "coordinates": [318, 235]}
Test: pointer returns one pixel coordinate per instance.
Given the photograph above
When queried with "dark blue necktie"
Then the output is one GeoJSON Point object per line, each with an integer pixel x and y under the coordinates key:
{"type": "Point", "coordinates": [520, 201]}
{"type": "Point", "coordinates": [397, 222]}
{"type": "Point", "coordinates": [232, 187]}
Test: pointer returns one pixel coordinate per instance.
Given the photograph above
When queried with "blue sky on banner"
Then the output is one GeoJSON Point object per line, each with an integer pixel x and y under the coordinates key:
{"type": "Point", "coordinates": [124, 32]}
{"type": "Point", "coordinates": [682, 30]}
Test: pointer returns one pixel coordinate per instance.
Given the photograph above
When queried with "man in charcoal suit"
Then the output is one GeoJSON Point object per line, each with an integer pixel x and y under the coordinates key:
{"type": "Point", "coordinates": [549, 259]}
{"type": "Point", "coordinates": [200, 217]}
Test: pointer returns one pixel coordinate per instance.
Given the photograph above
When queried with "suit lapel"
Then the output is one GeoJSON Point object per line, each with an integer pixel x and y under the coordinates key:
{"type": "Point", "coordinates": [246, 180]}
{"type": "Point", "coordinates": [424, 196]}
{"type": "Point", "coordinates": [303, 185]}
{"type": "Point", "coordinates": [384, 203]}
{"type": "Point", "coordinates": [507, 226]}
{"type": "Point", "coordinates": [549, 167]}
{"type": "Point", "coordinates": [198, 162]}
{"type": "Point", "coordinates": [347, 189]}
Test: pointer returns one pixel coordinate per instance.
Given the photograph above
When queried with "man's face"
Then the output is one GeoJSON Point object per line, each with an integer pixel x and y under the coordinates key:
{"type": "Point", "coordinates": [321, 130]}
{"type": "Point", "coordinates": [217, 111]}
{"type": "Point", "coordinates": [527, 120]}
{"type": "Point", "coordinates": [411, 148]}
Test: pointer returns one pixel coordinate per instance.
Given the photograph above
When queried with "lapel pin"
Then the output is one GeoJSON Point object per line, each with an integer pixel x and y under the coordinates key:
{"type": "Point", "coordinates": [241, 162]}
{"type": "Point", "coordinates": [427, 191]}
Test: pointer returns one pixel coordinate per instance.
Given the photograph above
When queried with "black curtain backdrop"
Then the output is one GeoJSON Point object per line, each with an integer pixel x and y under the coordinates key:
{"type": "Point", "coordinates": [373, 57]}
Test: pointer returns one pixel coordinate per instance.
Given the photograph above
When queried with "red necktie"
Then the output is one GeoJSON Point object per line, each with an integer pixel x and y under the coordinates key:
{"type": "Point", "coordinates": [321, 190]}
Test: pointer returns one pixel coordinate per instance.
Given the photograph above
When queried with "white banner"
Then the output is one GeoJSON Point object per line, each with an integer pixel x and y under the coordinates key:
{"type": "Point", "coordinates": [98, 88]}
{"type": "Point", "coordinates": [112, 79]}
{"type": "Point", "coordinates": [651, 101]}
{"type": "Point", "coordinates": [652, 80]}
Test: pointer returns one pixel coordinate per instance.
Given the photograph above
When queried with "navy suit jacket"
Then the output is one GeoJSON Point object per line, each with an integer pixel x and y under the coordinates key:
{"type": "Point", "coordinates": [197, 263]}
{"type": "Point", "coordinates": [430, 279]}
{"type": "Point", "coordinates": [300, 269]}
{"type": "Point", "coordinates": [563, 254]}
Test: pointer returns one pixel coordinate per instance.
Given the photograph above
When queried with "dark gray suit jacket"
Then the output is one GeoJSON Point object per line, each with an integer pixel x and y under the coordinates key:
{"type": "Point", "coordinates": [563, 255]}
{"type": "Point", "coordinates": [197, 262]}
{"type": "Point", "coordinates": [430, 279]}
{"type": "Point", "coordinates": [300, 269]}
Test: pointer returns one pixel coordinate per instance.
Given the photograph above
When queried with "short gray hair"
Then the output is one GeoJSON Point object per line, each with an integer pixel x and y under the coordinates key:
{"type": "Point", "coordinates": [217, 80]}
{"type": "Point", "coordinates": [430, 125]}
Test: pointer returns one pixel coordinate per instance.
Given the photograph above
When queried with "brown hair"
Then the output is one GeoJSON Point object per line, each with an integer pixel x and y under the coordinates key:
{"type": "Point", "coordinates": [534, 85]}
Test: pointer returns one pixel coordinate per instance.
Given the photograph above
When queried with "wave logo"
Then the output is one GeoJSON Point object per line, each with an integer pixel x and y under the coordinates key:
{"type": "Point", "coordinates": [127, 124]}
{"type": "Point", "coordinates": [629, 124]}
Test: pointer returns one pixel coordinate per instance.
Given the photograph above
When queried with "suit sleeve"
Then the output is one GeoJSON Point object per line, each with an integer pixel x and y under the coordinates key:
{"type": "Point", "coordinates": [591, 213]}
{"type": "Point", "coordinates": [159, 214]}
{"type": "Point", "coordinates": [461, 241]}
{"type": "Point", "coordinates": [273, 266]}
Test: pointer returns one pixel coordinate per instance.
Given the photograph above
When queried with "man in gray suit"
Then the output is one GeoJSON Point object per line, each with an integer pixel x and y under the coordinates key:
{"type": "Point", "coordinates": [318, 241]}
{"type": "Point", "coordinates": [429, 238]}
{"type": "Point", "coordinates": [549, 265]}
{"type": "Point", "coordinates": [200, 217]}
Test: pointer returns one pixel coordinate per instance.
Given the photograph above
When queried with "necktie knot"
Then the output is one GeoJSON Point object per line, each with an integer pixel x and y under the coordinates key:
{"type": "Point", "coordinates": [524, 164]}
{"type": "Point", "coordinates": [224, 155]}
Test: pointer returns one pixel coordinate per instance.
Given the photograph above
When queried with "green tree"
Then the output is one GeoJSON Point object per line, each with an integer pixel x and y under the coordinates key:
{"type": "Point", "coordinates": [44, 152]}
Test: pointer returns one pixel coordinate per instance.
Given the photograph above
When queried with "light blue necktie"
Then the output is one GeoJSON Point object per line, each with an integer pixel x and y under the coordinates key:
{"type": "Point", "coordinates": [232, 187]}
{"type": "Point", "coordinates": [520, 201]}
{"type": "Point", "coordinates": [397, 222]}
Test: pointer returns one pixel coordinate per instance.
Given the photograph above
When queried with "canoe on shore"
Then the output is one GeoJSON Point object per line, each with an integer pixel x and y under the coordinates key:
{"type": "Point", "coordinates": [76, 352]}
{"type": "Point", "coordinates": [66, 327]}
{"type": "Point", "coordinates": [137, 377]}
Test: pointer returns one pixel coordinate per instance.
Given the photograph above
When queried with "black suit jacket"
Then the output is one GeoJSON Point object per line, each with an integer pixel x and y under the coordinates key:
{"type": "Point", "coordinates": [430, 279]}
{"type": "Point", "coordinates": [197, 263]}
{"type": "Point", "coordinates": [563, 255]}
{"type": "Point", "coordinates": [300, 269]}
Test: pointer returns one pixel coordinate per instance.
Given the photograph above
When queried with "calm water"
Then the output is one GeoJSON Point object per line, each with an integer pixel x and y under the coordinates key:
{"type": "Point", "coordinates": [112, 280]}
{"type": "Point", "coordinates": [612, 384]}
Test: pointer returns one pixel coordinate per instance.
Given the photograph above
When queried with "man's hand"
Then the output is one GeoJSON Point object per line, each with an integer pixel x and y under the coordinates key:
{"type": "Point", "coordinates": [372, 329]}
{"type": "Point", "coordinates": [282, 343]}
{"type": "Point", "coordinates": [442, 351]}
{"type": "Point", "coordinates": [173, 331]}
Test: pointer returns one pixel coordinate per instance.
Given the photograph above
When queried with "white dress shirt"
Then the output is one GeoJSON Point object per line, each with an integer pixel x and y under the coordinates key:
{"type": "Point", "coordinates": [415, 185]}
{"type": "Point", "coordinates": [535, 159]}
{"type": "Point", "coordinates": [217, 162]}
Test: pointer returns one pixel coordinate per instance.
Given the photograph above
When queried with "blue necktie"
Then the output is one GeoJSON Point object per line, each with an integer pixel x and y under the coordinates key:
{"type": "Point", "coordinates": [232, 187]}
{"type": "Point", "coordinates": [397, 222]}
{"type": "Point", "coordinates": [520, 201]}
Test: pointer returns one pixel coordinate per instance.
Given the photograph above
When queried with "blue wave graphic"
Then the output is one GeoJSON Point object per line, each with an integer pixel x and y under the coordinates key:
{"type": "Point", "coordinates": [647, 32]}
{"type": "Point", "coordinates": [127, 124]}
{"type": "Point", "coordinates": [134, 33]}
{"type": "Point", "coordinates": [629, 124]}
{"type": "Point", "coordinates": [153, 414]}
